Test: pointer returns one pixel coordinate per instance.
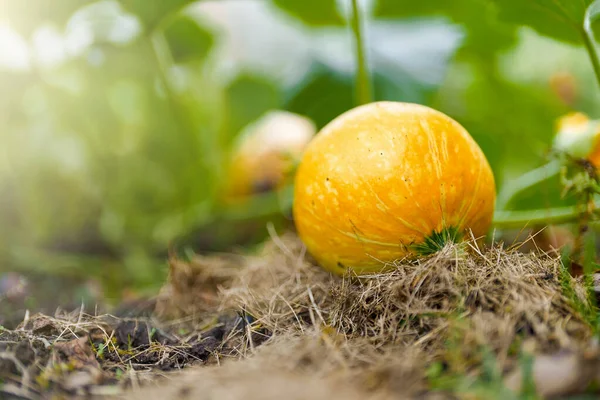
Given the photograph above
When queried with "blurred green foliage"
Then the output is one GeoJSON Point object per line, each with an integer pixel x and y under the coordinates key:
{"type": "Point", "coordinates": [151, 13]}
{"type": "Point", "coordinates": [115, 146]}
{"type": "Point", "coordinates": [188, 40]}
{"type": "Point", "coordinates": [312, 12]}
{"type": "Point", "coordinates": [560, 19]}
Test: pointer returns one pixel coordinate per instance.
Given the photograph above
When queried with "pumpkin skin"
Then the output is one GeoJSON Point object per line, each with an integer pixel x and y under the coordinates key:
{"type": "Point", "coordinates": [383, 177]}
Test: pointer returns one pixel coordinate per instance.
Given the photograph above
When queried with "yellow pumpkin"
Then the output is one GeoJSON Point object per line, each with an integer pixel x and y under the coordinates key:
{"type": "Point", "coordinates": [389, 180]}
{"type": "Point", "coordinates": [265, 152]}
{"type": "Point", "coordinates": [579, 136]}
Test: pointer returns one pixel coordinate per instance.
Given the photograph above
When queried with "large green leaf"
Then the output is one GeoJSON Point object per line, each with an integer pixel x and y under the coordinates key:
{"type": "Point", "coordinates": [325, 93]}
{"type": "Point", "coordinates": [152, 12]}
{"type": "Point", "coordinates": [188, 39]}
{"type": "Point", "coordinates": [559, 19]}
{"type": "Point", "coordinates": [312, 12]}
{"type": "Point", "coordinates": [485, 34]}
{"type": "Point", "coordinates": [322, 95]}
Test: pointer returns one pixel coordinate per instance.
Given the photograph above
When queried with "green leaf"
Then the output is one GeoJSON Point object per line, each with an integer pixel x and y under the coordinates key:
{"type": "Point", "coordinates": [558, 19]}
{"type": "Point", "coordinates": [246, 99]}
{"type": "Point", "coordinates": [322, 95]}
{"type": "Point", "coordinates": [326, 93]}
{"type": "Point", "coordinates": [152, 12]}
{"type": "Point", "coordinates": [312, 12]}
{"type": "Point", "coordinates": [485, 33]}
{"type": "Point", "coordinates": [188, 40]}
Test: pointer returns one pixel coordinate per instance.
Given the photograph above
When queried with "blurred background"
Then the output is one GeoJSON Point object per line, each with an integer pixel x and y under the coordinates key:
{"type": "Point", "coordinates": [133, 129]}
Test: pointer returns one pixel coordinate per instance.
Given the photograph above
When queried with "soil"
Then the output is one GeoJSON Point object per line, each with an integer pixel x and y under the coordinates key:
{"type": "Point", "coordinates": [467, 322]}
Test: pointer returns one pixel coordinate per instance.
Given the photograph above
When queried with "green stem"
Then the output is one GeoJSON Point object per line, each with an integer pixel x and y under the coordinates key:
{"type": "Point", "coordinates": [525, 181]}
{"type": "Point", "coordinates": [550, 216]}
{"type": "Point", "coordinates": [363, 83]}
{"type": "Point", "coordinates": [591, 49]}
{"type": "Point", "coordinates": [588, 37]}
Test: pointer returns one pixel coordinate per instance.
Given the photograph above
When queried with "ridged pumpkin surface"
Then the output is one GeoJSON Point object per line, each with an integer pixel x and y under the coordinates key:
{"type": "Point", "coordinates": [384, 176]}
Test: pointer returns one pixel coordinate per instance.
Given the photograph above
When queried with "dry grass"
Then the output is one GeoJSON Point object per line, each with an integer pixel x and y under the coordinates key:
{"type": "Point", "coordinates": [382, 334]}
{"type": "Point", "coordinates": [286, 293]}
{"type": "Point", "coordinates": [454, 324]}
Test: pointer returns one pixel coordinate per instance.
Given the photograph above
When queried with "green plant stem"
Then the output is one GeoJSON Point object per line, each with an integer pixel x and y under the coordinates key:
{"type": "Point", "coordinates": [591, 49]}
{"type": "Point", "coordinates": [588, 37]}
{"type": "Point", "coordinates": [526, 181]}
{"type": "Point", "coordinates": [550, 216]}
{"type": "Point", "coordinates": [363, 83]}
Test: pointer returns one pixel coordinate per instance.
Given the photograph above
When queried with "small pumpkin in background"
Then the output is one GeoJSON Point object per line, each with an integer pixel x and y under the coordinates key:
{"type": "Point", "coordinates": [388, 180]}
{"type": "Point", "coordinates": [266, 153]}
{"type": "Point", "coordinates": [578, 136]}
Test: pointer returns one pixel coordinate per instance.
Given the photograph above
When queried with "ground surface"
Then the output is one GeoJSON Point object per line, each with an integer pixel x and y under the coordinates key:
{"type": "Point", "coordinates": [464, 323]}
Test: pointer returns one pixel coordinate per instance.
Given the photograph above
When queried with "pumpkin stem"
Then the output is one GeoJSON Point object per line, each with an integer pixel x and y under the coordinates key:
{"type": "Point", "coordinates": [437, 241]}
